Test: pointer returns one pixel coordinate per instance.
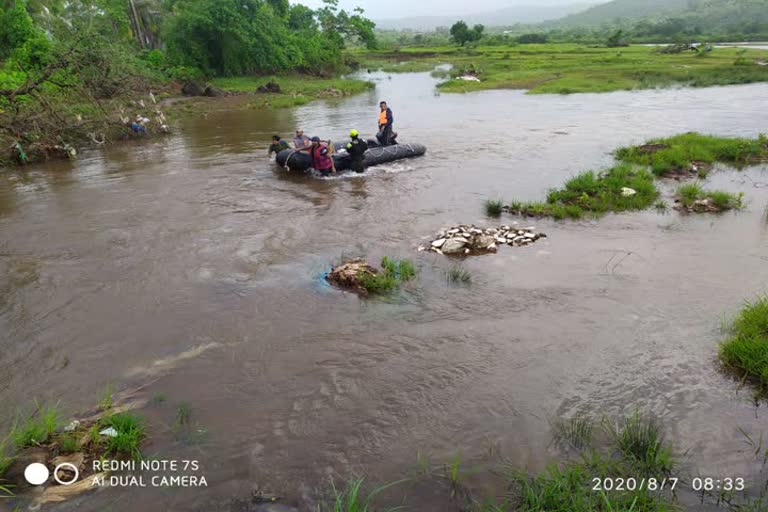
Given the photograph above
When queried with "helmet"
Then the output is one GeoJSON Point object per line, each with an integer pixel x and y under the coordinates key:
{"type": "Point", "coordinates": [353, 133]}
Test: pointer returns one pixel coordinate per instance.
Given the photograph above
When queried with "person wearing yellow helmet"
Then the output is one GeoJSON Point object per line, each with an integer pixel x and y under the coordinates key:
{"type": "Point", "coordinates": [356, 149]}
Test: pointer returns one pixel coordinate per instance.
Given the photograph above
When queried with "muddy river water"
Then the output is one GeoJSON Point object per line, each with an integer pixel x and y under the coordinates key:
{"type": "Point", "coordinates": [194, 264]}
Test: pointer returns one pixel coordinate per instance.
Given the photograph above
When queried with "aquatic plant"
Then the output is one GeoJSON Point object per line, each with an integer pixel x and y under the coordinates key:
{"type": "Point", "coordinates": [351, 498]}
{"type": "Point", "coordinates": [493, 207]}
{"type": "Point", "coordinates": [6, 459]}
{"type": "Point", "coordinates": [746, 349]}
{"type": "Point", "coordinates": [693, 152]}
{"type": "Point", "coordinates": [68, 443]}
{"type": "Point", "coordinates": [595, 193]}
{"type": "Point", "coordinates": [459, 275]}
{"type": "Point", "coordinates": [576, 432]}
{"type": "Point", "coordinates": [36, 429]}
{"type": "Point", "coordinates": [393, 273]}
{"type": "Point", "coordinates": [640, 441]}
{"type": "Point", "coordinates": [130, 433]}
{"type": "Point", "coordinates": [719, 200]}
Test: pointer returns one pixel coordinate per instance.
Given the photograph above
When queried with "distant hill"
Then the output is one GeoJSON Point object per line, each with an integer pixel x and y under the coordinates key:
{"type": "Point", "coordinates": [632, 9]}
{"type": "Point", "coordinates": [669, 17]}
{"type": "Point", "coordinates": [528, 14]}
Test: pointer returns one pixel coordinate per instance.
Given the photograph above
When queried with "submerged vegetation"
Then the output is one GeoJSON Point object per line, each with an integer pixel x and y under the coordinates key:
{"type": "Point", "coordinates": [494, 207]}
{"type": "Point", "coordinates": [628, 186]}
{"type": "Point", "coordinates": [567, 68]}
{"type": "Point", "coordinates": [693, 197]}
{"type": "Point", "coordinates": [617, 189]}
{"type": "Point", "coordinates": [632, 449]}
{"type": "Point", "coordinates": [746, 349]}
{"type": "Point", "coordinates": [694, 152]}
{"type": "Point", "coordinates": [393, 273]}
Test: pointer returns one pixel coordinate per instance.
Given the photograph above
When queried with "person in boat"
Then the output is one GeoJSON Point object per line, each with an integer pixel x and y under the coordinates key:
{"type": "Point", "coordinates": [301, 141]}
{"type": "Point", "coordinates": [321, 156]}
{"type": "Point", "coordinates": [356, 149]}
{"type": "Point", "coordinates": [386, 121]}
{"type": "Point", "coordinates": [278, 144]}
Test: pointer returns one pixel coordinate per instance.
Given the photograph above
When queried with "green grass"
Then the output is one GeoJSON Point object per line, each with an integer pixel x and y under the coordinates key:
{"type": "Point", "coordinates": [393, 273]}
{"type": "Point", "coordinates": [595, 194]}
{"type": "Point", "coordinates": [682, 152]}
{"type": "Point", "coordinates": [689, 193]}
{"type": "Point", "coordinates": [576, 432]}
{"type": "Point", "coordinates": [353, 499]}
{"type": "Point", "coordinates": [458, 275]}
{"type": "Point", "coordinates": [408, 66]}
{"type": "Point", "coordinates": [130, 434]}
{"type": "Point", "coordinates": [68, 443]}
{"type": "Point", "coordinates": [493, 207]}
{"type": "Point", "coordinates": [183, 415]}
{"type": "Point", "coordinates": [641, 442]}
{"type": "Point", "coordinates": [296, 90]}
{"type": "Point", "coordinates": [573, 68]}
{"type": "Point", "coordinates": [6, 459]}
{"type": "Point", "coordinates": [36, 429]}
{"type": "Point", "coordinates": [746, 348]}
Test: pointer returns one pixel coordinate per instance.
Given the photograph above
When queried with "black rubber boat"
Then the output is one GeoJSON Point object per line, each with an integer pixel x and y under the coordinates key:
{"type": "Point", "coordinates": [376, 154]}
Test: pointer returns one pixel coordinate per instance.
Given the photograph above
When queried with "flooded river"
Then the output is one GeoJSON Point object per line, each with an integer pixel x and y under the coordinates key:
{"type": "Point", "coordinates": [194, 264]}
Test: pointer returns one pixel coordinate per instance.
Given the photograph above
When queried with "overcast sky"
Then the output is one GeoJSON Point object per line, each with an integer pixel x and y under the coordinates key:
{"type": "Point", "coordinates": [384, 9]}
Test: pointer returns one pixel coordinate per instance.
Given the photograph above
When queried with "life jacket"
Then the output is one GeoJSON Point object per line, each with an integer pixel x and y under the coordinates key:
{"type": "Point", "coordinates": [383, 117]}
{"type": "Point", "coordinates": [320, 158]}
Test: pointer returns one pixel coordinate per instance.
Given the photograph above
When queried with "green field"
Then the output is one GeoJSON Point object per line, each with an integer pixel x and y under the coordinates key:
{"type": "Point", "coordinates": [573, 68]}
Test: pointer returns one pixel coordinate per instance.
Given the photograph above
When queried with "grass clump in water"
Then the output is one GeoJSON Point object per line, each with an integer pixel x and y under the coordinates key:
{"type": "Point", "coordinates": [691, 194]}
{"type": "Point", "coordinates": [130, 433]}
{"type": "Point", "coordinates": [641, 443]}
{"type": "Point", "coordinates": [576, 432]}
{"type": "Point", "coordinates": [692, 152]}
{"type": "Point", "coordinates": [393, 273]}
{"type": "Point", "coordinates": [746, 350]}
{"type": "Point", "coordinates": [352, 498]}
{"type": "Point", "coordinates": [37, 429]}
{"type": "Point", "coordinates": [596, 194]}
{"type": "Point", "coordinates": [493, 207]}
{"type": "Point", "coordinates": [458, 275]}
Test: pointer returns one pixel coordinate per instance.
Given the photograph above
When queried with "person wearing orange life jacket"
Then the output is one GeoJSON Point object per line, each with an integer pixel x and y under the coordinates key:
{"type": "Point", "coordinates": [386, 120]}
{"type": "Point", "coordinates": [321, 156]}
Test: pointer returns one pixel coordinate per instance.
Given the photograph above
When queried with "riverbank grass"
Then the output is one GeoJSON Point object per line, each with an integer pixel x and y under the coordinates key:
{"type": "Point", "coordinates": [494, 207]}
{"type": "Point", "coordinates": [37, 429]}
{"type": "Point", "coordinates": [617, 189]}
{"type": "Point", "coordinates": [746, 349]}
{"type": "Point", "coordinates": [565, 68]}
{"type": "Point", "coordinates": [694, 153]}
{"type": "Point", "coordinates": [295, 90]}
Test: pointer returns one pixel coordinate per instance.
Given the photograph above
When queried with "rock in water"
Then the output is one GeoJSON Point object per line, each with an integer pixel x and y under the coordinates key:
{"type": "Point", "coordinates": [213, 92]}
{"type": "Point", "coordinates": [453, 245]}
{"type": "Point", "coordinates": [349, 275]}
{"type": "Point", "coordinates": [438, 243]}
{"type": "Point", "coordinates": [269, 87]}
{"type": "Point", "coordinates": [482, 242]}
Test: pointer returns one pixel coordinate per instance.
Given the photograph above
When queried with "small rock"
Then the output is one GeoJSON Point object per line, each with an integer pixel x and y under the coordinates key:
{"type": "Point", "coordinates": [453, 245]}
{"type": "Point", "coordinates": [438, 243]}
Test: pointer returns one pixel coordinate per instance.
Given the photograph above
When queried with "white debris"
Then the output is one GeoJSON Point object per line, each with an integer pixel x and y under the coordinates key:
{"type": "Point", "coordinates": [628, 192]}
{"type": "Point", "coordinates": [72, 426]}
{"type": "Point", "coordinates": [109, 432]}
{"type": "Point", "coordinates": [468, 78]}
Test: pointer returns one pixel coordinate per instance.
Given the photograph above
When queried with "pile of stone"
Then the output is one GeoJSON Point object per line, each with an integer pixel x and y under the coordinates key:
{"type": "Point", "coordinates": [470, 239]}
{"type": "Point", "coordinates": [705, 205]}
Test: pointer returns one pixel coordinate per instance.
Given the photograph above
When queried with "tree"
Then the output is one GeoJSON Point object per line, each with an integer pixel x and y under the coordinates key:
{"type": "Point", "coordinates": [462, 34]}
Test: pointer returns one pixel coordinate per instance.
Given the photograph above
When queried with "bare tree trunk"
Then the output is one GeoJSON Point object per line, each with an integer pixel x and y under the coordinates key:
{"type": "Point", "coordinates": [136, 24]}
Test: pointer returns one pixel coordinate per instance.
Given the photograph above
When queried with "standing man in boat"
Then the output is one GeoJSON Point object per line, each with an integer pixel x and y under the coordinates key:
{"type": "Point", "coordinates": [356, 149]}
{"type": "Point", "coordinates": [385, 124]}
